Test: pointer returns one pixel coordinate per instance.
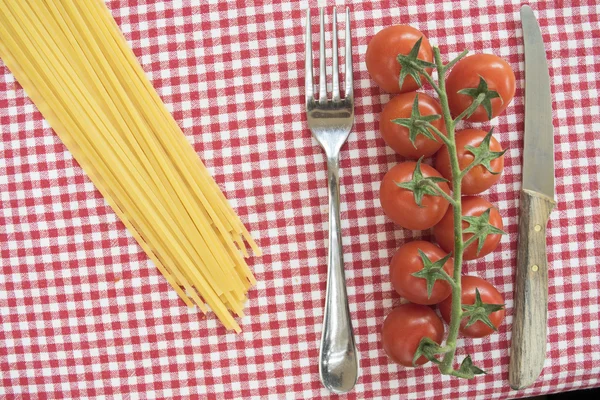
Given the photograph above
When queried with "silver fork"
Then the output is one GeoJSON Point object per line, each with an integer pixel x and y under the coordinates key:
{"type": "Point", "coordinates": [330, 121]}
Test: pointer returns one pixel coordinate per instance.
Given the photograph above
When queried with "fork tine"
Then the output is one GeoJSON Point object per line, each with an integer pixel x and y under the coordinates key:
{"type": "Point", "coordinates": [348, 71]}
{"type": "Point", "coordinates": [308, 62]}
{"type": "Point", "coordinates": [334, 46]}
{"type": "Point", "coordinates": [322, 71]}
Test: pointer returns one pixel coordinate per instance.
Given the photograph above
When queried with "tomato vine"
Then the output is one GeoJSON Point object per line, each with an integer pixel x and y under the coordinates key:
{"type": "Point", "coordinates": [479, 227]}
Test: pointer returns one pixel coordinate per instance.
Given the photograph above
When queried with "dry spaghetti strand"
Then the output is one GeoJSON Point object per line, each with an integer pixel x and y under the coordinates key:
{"type": "Point", "coordinates": [72, 60]}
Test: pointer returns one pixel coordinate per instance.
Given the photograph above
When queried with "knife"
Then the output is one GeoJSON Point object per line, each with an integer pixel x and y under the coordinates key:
{"type": "Point", "coordinates": [528, 345]}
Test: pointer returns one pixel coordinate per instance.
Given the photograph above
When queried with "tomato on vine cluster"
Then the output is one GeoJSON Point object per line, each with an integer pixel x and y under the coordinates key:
{"type": "Point", "coordinates": [418, 196]}
{"type": "Point", "coordinates": [398, 137]}
{"type": "Point", "coordinates": [400, 203]}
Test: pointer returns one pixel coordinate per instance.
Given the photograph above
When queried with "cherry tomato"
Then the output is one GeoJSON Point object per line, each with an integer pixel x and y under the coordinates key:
{"type": "Point", "coordinates": [407, 261]}
{"type": "Point", "coordinates": [404, 328]}
{"type": "Point", "coordinates": [472, 206]}
{"type": "Point", "coordinates": [381, 55]}
{"type": "Point", "coordinates": [399, 204]}
{"type": "Point", "coordinates": [397, 137]}
{"type": "Point", "coordinates": [498, 75]}
{"type": "Point", "coordinates": [479, 179]}
{"type": "Point", "coordinates": [489, 295]}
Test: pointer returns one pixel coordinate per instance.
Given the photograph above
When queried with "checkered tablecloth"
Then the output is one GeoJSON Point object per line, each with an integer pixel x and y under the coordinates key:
{"type": "Point", "coordinates": [85, 314]}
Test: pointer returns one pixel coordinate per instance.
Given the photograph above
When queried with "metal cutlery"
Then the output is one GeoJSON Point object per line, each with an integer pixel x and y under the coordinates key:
{"type": "Point", "coordinates": [528, 343]}
{"type": "Point", "coordinates": [330, 121]}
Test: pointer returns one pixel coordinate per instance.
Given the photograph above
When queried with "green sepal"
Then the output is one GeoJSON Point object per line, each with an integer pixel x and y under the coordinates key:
{"type": "Point", "coordinates": [428, 349]}
{"type": "Point", "coordinates": [468, 370]}
{"type": "Point", "coordinates": [482, 88]}
{"type": "Point", "coordinates": [432, 271]}
{"type": "Point", "coordinates": [483, 155]}
{"type": "Point", "coordinates": [420, 185]}
{"type": "Point", "coordinates": [411, 65]}
{"type": "Point", "coordinates": [480, 311]}
{"type": "Point", "coordinates": [417, 123]}
{"type": "Point", "coordinates": [480, 227]}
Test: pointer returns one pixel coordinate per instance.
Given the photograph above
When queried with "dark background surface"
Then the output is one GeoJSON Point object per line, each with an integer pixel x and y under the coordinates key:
{"type": "Point", "coordinates": [578, 394]}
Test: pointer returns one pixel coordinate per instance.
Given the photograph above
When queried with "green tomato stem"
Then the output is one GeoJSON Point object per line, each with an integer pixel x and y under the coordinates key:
{"type": "Point", "coordinates": [441, 192]}
{"type": "Point", "coordinates": [438, 133]}
{"type": "Point", "coordinates": [449, 349]}
{"type": "Point", "coordinates": [450, 280]}
{"type": "Point", "coordinates": [429, 79]}
{"type": "Point", "coordinates": [470, 241]}
{"type": "Point", "coordinates": [465, 171]}
{"type": "Point", "coordinates": [471, 108]}
{"type": "Point", "coordinates": [457, 59]}
{"type": "Point", "coordinates": [446, 366]}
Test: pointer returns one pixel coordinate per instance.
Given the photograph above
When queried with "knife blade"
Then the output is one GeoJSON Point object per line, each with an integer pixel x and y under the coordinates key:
{"type": "Point", "coordinates": [528, 343]}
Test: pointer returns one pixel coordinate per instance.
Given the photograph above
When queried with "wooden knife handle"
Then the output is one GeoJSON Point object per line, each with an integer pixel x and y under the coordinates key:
{"type": "Point", "coordinates": [528, 344]}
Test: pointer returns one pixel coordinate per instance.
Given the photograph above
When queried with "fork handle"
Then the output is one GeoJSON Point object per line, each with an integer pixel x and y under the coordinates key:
{"type": "Point", "coordinates": [338, 361]}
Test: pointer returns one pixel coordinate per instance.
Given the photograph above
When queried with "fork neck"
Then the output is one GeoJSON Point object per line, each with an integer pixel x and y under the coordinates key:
{"type": "Point", "coordinates": [333, 161]}
{"type": "Point", "coordinates": [333, 183]}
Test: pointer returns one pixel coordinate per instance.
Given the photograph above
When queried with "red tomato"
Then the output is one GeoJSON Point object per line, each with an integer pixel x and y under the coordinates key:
{"type": "Point", "coordinates": [471, 206]}
{"type": "Point", "coordinates": [407, 261]}
{"type": "Point", "coordinates": [489, 295]}
{"type": "Point", "coordinates": [404, 328]}
{"type": "Point", "coordinates": [381, 55]}
{"type": "Point", "coordinates": [396, 136]}
{"type": "Point", "coordinates": [399, 204]}
{"type": "Point", "coordinates": [495, 71]}
{"type": "Point", "coordinates": [478, 179]}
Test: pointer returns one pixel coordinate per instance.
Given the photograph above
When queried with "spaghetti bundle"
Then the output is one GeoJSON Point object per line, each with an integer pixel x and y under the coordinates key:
{"type": "Point", "coordinates": [74, 63]}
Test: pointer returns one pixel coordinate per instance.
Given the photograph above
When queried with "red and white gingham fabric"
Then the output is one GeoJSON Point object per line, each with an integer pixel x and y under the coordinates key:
{"type": "Point", "coordinates": [84, 314]}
